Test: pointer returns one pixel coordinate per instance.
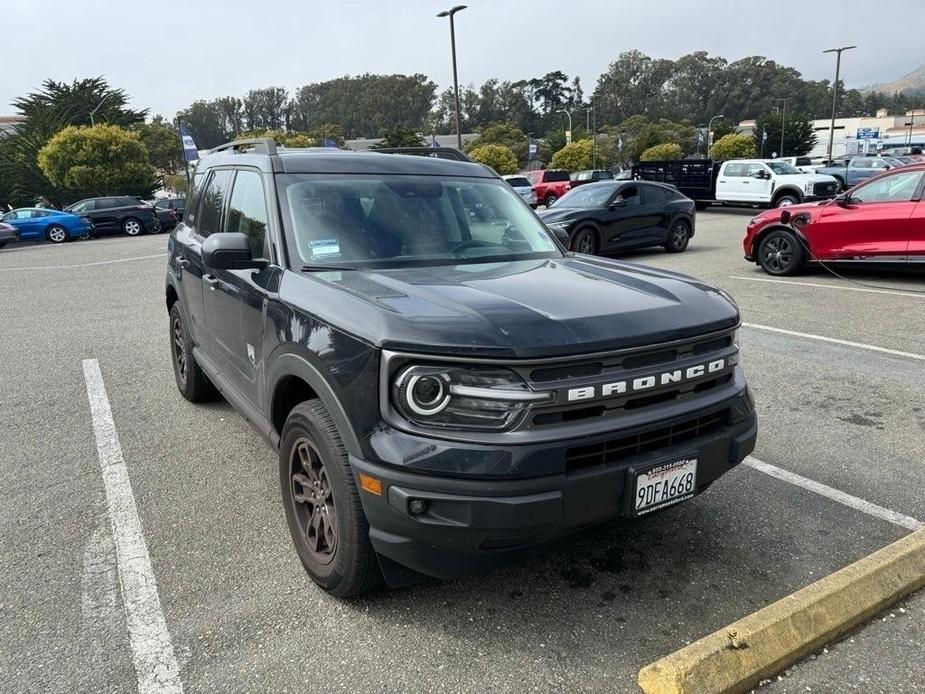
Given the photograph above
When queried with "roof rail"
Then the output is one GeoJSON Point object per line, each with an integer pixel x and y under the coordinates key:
{"type": "Point", "coordinates": [261, 145]}
{"type": "Point", "coordinates": [436, 152]}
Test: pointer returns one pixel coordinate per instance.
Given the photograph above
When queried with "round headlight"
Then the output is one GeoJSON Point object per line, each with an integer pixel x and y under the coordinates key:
{"type": "Point", "coordinates": [426, 394]}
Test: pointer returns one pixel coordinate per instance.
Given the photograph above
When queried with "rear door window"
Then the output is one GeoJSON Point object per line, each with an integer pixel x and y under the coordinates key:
{"type": "Point", "coordinates": [555, 176]}
{"type": "Point", "coordinates": [735, 170]}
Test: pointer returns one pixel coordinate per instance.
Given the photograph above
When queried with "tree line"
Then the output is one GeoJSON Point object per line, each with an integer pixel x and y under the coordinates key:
{"type": "Point", "coordinates": [691, 89]}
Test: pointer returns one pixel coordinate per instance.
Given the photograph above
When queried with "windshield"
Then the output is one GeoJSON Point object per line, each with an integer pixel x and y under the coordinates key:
{"type": "Point", "coordinates": [591, 195]}
{"type": "Point", "coordinates": [518, 182]}
{"type": "Point", "coordinates": [387, 220]}
{"type": "Point", "coordinates": [782, 168]}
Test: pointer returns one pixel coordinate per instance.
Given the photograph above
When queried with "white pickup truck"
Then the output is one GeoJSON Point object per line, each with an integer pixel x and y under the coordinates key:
{"type": "Point", "coordinates": [770, 182]}
{"type": "Point", "coordinates": [765, 182]}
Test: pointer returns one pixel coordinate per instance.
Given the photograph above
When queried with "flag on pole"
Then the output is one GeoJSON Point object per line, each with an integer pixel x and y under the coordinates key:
{"type": "Point", "coordinates": [190, 151]}
{"type": "Point", "coordinates": [433, 141]}
{"type": "Point", "coordinates": [764, 134]}
{"type": "Point", "coordinates": [328, 142]}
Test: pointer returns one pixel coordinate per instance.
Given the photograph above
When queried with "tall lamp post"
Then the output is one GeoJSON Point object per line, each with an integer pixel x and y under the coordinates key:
{"type": "Point", "coordinates": [710, 131]}
{"type": "Point", "coordinates": [450, 13]}
{"type": "Point", "coordinates": [97, 107]}
{"type": "Point", "coordinates": [568, 135]}
{"type": "Point", "coordinates": [838, 52]}
{"type": "Point", "coordinates": [783, 122]}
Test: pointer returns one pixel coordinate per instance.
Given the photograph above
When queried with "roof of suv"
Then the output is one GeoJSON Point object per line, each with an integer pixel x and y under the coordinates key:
{"type": "Point", "coordinates": [338, 161]}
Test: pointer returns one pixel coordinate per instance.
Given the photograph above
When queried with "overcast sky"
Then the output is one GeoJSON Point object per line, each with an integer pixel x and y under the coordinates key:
{"type": "Point", "coordinates": [168, 53]}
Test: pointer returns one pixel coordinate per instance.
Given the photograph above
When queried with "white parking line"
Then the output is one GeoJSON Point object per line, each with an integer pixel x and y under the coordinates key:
{"type": "Point", "coordinates": [910, 295]}
{"type": "Point", "coordinates": [99, 262]}
{"type": "Point", "coordinates": [836, 341]}
{"type": "Point", "coordinates": [830, 492]}
{"type": "Point", "coordinates": [152, 651]}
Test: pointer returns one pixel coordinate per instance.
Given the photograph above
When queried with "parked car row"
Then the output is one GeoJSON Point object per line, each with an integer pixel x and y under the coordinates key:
{"type": "Point", "coordinates": [92, 217]}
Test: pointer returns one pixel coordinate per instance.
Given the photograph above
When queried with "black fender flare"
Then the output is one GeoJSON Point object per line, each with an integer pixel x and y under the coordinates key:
{"type": "Point", "coordinates": [293, 364]}
{"type": "Point", "coordinates": [783, 190]}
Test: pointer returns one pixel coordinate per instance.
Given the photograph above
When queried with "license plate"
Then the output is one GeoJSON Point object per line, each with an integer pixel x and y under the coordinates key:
{"type": "Point", "coordinates": [664, 485]}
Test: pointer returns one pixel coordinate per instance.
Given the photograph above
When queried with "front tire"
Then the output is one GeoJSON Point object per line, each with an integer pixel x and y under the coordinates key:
{"type": "Point", "coordinates": [786, 200]}
{"type": "Point", "coordinates": [326, 520]}
{"type": "Point", "coordinates": [132, 226]}
{"type": "Point", "coordinates": [780, 253]}
{"type": "Point", "coordinates": [57, 234]}
{"type": "Point", "coordinates": [192, 381]}
{"type": "Point", "coordinates": [679, 235]}
{"type": "Point", "coordinates": [585, 241]}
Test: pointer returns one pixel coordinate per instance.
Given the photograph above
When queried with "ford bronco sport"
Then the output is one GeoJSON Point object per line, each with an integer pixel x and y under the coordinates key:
{"type": "Point", "coordinates": [447, 387]}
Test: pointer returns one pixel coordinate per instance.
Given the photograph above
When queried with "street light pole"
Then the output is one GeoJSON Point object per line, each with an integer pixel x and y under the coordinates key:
{"type": "Point", "coordinates": [838, 52]}
{"type": "Point", "coordinates": [568, 136]}
{"type": "Point", "coordinates": [97, 107]}
{"type": "Point", "coordinates": [450, 13]}
{"type": "Point", "coordinates": [783, 123]}
{"type": "Point", "coordinates": [710, 131]}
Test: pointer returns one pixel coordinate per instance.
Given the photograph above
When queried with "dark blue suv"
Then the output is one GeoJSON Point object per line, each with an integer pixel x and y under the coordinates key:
{"type": "Point", "coordinates": [446, 386]}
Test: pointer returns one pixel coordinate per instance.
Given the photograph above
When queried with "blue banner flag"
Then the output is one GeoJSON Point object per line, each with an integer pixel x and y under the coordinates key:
{"type": "Point", "coordinates": [328, 142]}
{"type": "Point", "coordinates": [190, 151]}
{"type": "Point", "coordinates": [433, 142]}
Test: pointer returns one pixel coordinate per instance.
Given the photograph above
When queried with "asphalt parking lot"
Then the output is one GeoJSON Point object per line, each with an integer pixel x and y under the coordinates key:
{"type": "Point", "coordinates": [243, 616]}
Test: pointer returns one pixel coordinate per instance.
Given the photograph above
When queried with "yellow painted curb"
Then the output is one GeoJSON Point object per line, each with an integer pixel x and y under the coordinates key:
{"type": "Point", "coordinates": [736, 658]}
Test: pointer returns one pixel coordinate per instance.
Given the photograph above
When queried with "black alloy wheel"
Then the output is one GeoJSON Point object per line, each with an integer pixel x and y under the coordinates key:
{"type": "Point", "coordinates": [679, 235]}
{"type": "Point", "coordinates": [585, 241]}
{"type": "Point", "coordinates": [780, 253]}
{"type": "Point", "coordinates": [322, 503]}
{"type": "Point", "coordinates": [313, 501]}
{"type": "Point", "coordinates": [192, 381]}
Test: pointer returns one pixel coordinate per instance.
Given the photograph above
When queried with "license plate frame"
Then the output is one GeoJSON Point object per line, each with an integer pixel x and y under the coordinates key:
{"type": "Point", "coordinates": [664, 472]}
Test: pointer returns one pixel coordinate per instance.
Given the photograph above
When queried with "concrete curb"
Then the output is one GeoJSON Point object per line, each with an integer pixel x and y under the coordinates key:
{"type": "Point", "coordinates": [736, 658]}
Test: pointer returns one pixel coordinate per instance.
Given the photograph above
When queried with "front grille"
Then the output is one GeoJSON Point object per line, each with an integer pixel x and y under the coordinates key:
{"type": "Point", "coordinates": [615, 450]}
{"type": "Point", "coordinates": [825, 188]}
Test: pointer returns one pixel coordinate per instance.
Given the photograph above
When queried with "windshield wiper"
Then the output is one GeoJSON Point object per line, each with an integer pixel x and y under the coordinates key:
{"type": "Point", "coordinates": [324, 268]}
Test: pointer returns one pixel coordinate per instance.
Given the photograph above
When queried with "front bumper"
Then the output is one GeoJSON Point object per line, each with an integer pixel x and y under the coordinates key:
{"type": "Point", "coordinates": [473, 525]}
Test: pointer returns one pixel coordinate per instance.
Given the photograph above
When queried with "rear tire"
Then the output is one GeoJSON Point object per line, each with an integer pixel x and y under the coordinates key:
{"type": "Point", "coordinates": [550, 199]}
{"type": "Point", "coordinates": [323, 510]}
{"type": "Point", "coordinates": [780, 252]}
{"type": "Point", "coordinates": [679, 235]}
{"type": "Point", "coordinates": [132, 226]}
{"type": "Point", "coordinates": [57, 234]}
{"type": "Point", "coordinates": [192, 381]}
{"type": "Point", "coordinates": [585, 241]}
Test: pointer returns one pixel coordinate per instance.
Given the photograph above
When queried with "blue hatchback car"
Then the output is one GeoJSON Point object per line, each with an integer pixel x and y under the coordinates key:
{"type": "Point", "coordinates": [41, 223]}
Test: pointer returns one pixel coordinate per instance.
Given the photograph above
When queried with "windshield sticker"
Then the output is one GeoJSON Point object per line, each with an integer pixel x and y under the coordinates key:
{"type": "Point", "coordinates": [325, 248]}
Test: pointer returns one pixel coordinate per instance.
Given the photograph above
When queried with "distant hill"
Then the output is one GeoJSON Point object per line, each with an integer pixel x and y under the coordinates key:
{"type": "Point", "coordinates": [913, 83]}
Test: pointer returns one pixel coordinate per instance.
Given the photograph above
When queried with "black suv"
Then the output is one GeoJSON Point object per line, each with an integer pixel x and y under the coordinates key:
{"type": "Point", "coordinates": [115, 214]}
{"type": "Point", "coordinates": [446, 386]}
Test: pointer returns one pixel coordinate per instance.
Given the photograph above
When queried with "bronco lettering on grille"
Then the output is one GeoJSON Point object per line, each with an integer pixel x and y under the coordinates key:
{"type": "Point", "coordinates": [646, 382]}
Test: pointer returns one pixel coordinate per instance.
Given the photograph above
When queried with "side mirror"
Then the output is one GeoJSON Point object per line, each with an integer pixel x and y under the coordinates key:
{"type": "Point", "coordinates": [842, 200]}
{"type": "Point", "coordinates": [614, 204]}
{"type": "Point", "coordinates": [230, 251]}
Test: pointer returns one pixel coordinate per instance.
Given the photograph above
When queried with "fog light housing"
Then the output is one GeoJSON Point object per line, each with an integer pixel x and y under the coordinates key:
{"type": "Point", "coordinates": [417, 506]}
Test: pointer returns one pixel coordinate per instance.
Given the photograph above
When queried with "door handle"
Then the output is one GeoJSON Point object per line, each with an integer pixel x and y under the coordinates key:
{"type": "Point", "coordinates": [211, 281]}
{"type": "Point", "coordinates": [182, 262]}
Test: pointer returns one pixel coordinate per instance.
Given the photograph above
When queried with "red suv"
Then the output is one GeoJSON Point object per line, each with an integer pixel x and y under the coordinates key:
{"type": "Point", "coordinates": [549, 184]}
{"type": "Point", "coordinates": [880, 220]}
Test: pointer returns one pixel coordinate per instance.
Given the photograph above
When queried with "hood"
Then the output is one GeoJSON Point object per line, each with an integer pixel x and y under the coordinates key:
{"type": "Point", "coordinates": [527, 309]}
{"type": "Point", "coordinates": [561, 215]}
